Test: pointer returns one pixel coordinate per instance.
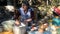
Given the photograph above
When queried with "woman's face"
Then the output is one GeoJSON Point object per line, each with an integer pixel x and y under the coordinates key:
{"type": "Point", "coordinates": [42, 26]}
{"type": "Point", "coordinates": [24, 6]}
{"type": "Point", "coordinates": [45, 25]}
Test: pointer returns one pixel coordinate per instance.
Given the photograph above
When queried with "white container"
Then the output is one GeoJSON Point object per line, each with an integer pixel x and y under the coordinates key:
{"type": "Point", "coordinates": [1, 28]}
{"type": "Point", "coordinates": [8, 25]}
{"type": "Point", "coordinates": [19, 29]}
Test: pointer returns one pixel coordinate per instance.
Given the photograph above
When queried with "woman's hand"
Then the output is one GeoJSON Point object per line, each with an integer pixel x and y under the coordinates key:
{"type": "Point", "coordinates": [28, 20]}
{"type": "Point", "coordinates": [17, 22]}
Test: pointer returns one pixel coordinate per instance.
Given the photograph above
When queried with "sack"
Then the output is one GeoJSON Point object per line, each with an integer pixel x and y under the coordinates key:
{"type": "Point", "coordinates": [8, 25]}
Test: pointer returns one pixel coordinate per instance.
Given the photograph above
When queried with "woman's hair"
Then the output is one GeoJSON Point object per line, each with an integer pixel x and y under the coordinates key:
{"type": "Point", "coordinates": [25, 2]}
{"type": "Point", "coordinates": [42, 23]}
{"type": "Point", "coordinates": [16, 14]}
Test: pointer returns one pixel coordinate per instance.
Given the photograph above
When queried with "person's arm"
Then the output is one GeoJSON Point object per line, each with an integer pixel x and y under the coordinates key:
{"type": "Point", "coordinates": [32, 15]}
{"type": "Point", "coordinates": [17, 22]}
{"type": "Point", "coordinates": [17, 17]}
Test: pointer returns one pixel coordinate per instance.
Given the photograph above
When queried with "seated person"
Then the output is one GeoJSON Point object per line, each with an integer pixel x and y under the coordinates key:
{"type": "Point", "coordinates": [41, 30]}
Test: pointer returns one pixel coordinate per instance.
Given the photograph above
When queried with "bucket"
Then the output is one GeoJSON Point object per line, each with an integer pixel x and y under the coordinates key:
{"type": "Point", "coordinates": [19, 29]}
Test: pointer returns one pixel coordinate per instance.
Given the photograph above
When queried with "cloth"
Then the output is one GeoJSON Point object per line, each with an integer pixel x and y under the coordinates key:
{"type": "Point", "coordinates": [56, 21]}
{"type": "Point", "coordinates": [8, 24]}
{"type": "Point", "coordinates": [36, 32]}
{"type": "Point", "coordinates": [57, 11]}
{"type": "Point", "coordinates": [58, 31]}
{"type": "Point", "coordinates": [47, 32]}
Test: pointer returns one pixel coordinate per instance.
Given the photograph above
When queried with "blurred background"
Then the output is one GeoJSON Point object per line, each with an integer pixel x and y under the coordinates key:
{"type": "Point", "coordinates": [43, 9]}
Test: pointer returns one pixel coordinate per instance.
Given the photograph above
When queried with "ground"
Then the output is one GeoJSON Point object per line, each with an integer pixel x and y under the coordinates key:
{"type": "Point", "coordinates": [8, 32]}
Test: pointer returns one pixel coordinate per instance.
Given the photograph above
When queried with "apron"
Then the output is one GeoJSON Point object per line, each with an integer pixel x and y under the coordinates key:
{"type": "Point", "coordinates": [23, 15]}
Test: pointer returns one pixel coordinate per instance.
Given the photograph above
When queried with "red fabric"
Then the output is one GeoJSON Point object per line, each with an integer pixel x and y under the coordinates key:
{"type": "Point", "coordinates": [57, 11]}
